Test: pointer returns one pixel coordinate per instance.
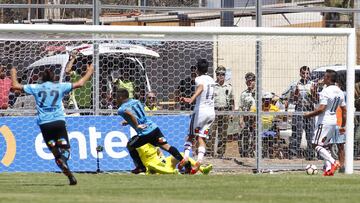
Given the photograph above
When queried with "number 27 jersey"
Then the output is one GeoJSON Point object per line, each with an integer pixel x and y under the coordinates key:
{"type": "Point", "coordinates": [331, 96]}
{"type": "Point", "coordinates": [48, 97]}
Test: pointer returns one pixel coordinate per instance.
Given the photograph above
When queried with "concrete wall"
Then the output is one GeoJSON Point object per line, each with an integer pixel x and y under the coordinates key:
{"type": "Point", "coordinates": [281, 58]}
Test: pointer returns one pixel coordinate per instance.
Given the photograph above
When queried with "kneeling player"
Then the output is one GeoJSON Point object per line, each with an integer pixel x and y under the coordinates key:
{"type": "Point", "coordinates": [147, 131]}
{"type": "Point", "coordinates": [155, 162]}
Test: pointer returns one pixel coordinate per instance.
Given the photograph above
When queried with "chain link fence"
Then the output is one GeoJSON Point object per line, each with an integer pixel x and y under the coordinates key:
{"type": "Point", "coordinates": [168, 70]}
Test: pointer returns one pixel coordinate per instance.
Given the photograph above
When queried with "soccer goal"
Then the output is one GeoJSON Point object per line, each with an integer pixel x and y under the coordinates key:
{"type": "Point", "coordinates": [276, 70]}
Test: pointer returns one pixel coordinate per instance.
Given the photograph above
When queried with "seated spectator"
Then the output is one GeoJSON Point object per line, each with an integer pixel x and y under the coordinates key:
{"type": "Point", "coordinates": [151, 102]}
{"type": "Point", "coordinates": [267, 106]}
{"type": "Point", "coordinates": [5, 86]}
{"type": "Point", "coordinates": [270, 130]}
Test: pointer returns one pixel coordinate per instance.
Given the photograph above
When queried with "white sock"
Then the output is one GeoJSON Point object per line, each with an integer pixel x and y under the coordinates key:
{"type": "Point", "coordinates": [325, 154]}
{"type": "Point", "coordinates": [201, 153]}
{"type": "Point", "coordinates": [187, 147]}
{"type": "Point", "coordinates": [327, 165]}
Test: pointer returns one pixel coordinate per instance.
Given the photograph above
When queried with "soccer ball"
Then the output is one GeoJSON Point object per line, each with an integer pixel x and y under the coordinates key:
{"type": "Point", "coordinates": [311, 169]}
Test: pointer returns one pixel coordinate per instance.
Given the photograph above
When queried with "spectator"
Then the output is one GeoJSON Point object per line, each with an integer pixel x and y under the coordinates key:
{"type": "Point", "coordinates": [124, 80]}
{"type": "Point", "coordinates": [81, 97]}
{"type": "Point", "coordinates": [267, 106]}
{"type": "Point", "coordinates": [151, 102]}
{"type": "Point", "coordinates": [224, 101]}
{"type": "Point", "coordinates": [247, 122]}
{"type": "Point", "coordinates": [269, 127]}
{"type": "Point", "coordinates": [5, 86]}
{"type": "Point", "coordinates": [247, 97]}
{"type": "Point", "coordinates": [186, 89]}
{"type": "Point", "coordinates": [302, 94]}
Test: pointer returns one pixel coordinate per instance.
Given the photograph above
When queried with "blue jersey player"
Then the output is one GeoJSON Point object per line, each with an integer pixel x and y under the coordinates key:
{"type": "Point", "coordinates": [147, 131]}
{"type": "Point", "coordinates": [50, 113]}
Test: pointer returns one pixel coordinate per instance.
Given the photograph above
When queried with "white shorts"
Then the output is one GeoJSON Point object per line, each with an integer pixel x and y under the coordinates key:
{"type": "Point", "coordinates": [323, 134]}
{"type": "Point", "coordinates": [338, 138]}
{"type": "Point", "coordinates": [200, 123]}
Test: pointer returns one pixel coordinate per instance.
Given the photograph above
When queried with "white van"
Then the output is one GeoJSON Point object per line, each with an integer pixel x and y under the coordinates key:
{"type": "Point", "coordinates": [113, 59]}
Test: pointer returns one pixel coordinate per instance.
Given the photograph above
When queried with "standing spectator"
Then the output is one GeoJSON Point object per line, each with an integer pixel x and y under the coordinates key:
{"type": "Point", "coordinates": [223, 101]}
{"type": "Point", "coordinates": [5, 86]}
{"type": "Point", "coordinates": [302, 94]}
{"type": "Point", "coordinates": [247, 122]}
{"type": "Point", "coordinates": [151, 102]}
{"type": "Point", "coordinates": [124, 80]}
{"type": "Point", "coordinates": [247, 97]}
{"type": "Point", "coordinates": [81, 97]}
{"type": "Point", "coordinates": [186, 89]}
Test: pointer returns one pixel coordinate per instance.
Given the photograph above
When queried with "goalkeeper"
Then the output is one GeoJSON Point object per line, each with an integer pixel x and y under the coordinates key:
{"type": "Point", "coordinates": [155, 162]}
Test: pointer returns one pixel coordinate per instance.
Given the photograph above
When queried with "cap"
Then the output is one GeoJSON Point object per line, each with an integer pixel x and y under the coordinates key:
{"type": "Point", "coordinates": [267, 95]}
{"type": "Point", "coordinates": [220, 69]}
{"type": "Point", "coordinates": [250, 76]}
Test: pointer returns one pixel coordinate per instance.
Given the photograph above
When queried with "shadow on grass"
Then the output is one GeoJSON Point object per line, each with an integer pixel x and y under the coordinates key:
{"type": "Point", "coordinates": [42, 184]}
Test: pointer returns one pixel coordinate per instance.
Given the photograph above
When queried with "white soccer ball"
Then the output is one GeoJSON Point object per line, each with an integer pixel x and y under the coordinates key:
{"type": "Point", "coordinates": [311, 169]}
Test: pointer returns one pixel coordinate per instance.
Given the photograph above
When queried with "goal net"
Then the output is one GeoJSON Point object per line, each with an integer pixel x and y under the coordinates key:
{"type": "Point", "coordinates": [253, 67]}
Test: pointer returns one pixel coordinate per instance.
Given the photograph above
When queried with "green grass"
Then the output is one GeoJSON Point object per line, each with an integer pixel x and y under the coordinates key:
{"type": "Point", "coordinates": [295, 187]}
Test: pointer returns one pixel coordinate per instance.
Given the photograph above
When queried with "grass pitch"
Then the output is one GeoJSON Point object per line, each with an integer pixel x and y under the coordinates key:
{"type": "Point", "coordinates": [294, 187]}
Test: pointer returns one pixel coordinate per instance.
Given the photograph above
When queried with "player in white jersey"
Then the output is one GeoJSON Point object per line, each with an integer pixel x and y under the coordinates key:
{"type": "Point", "coordinates": [330, 98]}
{"type": "Point", "coordinates": [203, 115]}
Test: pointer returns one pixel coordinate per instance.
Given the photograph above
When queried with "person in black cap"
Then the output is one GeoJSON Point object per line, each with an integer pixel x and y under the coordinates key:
{"type": "Point", "coordinates": [223, 101]}
{"type": "Point", "coordinates": [247, 122]}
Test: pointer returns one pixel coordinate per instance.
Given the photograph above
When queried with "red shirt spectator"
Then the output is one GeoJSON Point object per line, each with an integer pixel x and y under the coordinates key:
{"type": "Point", "coordinates": [5, 86]}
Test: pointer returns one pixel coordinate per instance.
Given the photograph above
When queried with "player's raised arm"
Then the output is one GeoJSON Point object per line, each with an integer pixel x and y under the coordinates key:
{"type": "Point", "coordinates": [71, 61]}
{"type": "Point", "coordinates": [15, 84]}
{"type": "Point", "coordinates": [87, 76]}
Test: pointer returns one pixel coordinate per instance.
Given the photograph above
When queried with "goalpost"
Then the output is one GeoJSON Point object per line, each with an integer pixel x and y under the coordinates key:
{"type": "Point", "coordinates": [160, 59]}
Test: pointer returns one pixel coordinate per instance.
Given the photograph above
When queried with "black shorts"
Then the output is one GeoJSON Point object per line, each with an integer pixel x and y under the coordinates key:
{"type": "Point", "coordinates": [155, 138]}
{"type": "Point", "coordinates": [55, 131]}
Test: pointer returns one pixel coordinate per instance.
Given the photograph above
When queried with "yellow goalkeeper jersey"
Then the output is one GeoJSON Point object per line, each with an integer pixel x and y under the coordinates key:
{"type": "Point", "coordinates": [148, 153]}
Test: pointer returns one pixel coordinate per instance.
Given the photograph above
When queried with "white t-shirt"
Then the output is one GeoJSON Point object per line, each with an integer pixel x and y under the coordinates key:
{"type": "Point", "coordinates": [206, 98]}
{"type": "Point", "coordinates": [331, 96]}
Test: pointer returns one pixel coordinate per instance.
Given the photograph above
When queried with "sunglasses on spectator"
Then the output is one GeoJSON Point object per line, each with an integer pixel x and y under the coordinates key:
{"type": "Point", "coordinates": [220, 74]}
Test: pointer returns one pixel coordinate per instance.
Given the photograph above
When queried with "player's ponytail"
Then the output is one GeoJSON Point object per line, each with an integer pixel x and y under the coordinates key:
{"type": "Point", "coordinates": [48, 75]}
